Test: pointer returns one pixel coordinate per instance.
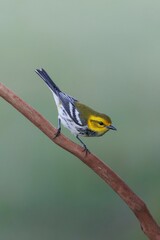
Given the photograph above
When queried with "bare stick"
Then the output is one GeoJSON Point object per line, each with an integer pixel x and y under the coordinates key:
{"type": "Point", "coordinates": [139, 208]}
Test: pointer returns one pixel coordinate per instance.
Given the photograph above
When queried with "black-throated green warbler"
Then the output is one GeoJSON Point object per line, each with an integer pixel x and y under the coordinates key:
{"type": "Point", "coordinates": [80, 119]}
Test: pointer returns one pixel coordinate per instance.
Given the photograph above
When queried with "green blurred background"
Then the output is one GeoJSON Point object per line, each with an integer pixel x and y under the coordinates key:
{"type": "Point", "coordinates": [106, 54]}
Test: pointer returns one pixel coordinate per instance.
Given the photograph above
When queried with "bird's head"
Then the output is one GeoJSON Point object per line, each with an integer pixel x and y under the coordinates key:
{"type": "Point", "coordinates": [100, 124]}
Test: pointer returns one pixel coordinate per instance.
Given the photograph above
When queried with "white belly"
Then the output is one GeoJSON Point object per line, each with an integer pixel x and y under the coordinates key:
{"type": "Point", "coordinates": [67, 121]}
{"type": "Point", "coordinates": [65, 118]}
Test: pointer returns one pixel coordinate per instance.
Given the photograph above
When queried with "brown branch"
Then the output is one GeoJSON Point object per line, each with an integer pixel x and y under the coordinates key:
{"type": "Point", "coordinates": [139, 208]}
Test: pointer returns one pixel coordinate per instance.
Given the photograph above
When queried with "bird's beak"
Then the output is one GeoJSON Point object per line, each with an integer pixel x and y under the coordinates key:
{"type": "Point", "coordinates": [110, 127]}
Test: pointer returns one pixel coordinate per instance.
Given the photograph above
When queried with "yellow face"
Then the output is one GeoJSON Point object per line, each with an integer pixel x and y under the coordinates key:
{"type": "Point", "coordinates": [99, 124]}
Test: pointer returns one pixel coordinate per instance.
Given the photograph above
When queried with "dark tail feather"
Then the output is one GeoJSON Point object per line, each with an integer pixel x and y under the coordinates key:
{"type": "Point", "coordinates": [44, 75]}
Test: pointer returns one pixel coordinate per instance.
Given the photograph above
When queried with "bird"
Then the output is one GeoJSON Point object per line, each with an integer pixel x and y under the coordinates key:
{"type": "Point", "coordinates": [80, 119]}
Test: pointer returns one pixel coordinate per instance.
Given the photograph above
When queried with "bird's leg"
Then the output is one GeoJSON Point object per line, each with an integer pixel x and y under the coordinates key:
{"type": "Point", "coordinates": [84, 145]}
{"type": "Point", "coordinates": [58, 129]}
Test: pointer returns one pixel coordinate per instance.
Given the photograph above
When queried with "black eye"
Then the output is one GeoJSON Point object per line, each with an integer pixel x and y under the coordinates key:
{"type": "Point", "coordinates": [101, 123]}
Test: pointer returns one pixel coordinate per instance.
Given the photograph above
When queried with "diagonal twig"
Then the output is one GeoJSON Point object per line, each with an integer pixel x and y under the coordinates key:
{"type": "Point", "coordinates": [139, 208]}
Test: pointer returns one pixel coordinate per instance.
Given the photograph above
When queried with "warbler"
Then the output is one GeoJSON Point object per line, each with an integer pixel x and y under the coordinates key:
{"type": "Point", "coordinates": [80, 119]}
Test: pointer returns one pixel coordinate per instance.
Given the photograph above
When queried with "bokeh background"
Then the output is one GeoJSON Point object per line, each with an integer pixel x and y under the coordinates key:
{"type": "Point", "coordinates": [105, 53]}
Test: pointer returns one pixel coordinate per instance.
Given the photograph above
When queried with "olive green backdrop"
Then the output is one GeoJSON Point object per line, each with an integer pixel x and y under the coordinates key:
{"type": "Point", "coordinates": [106, 54]}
